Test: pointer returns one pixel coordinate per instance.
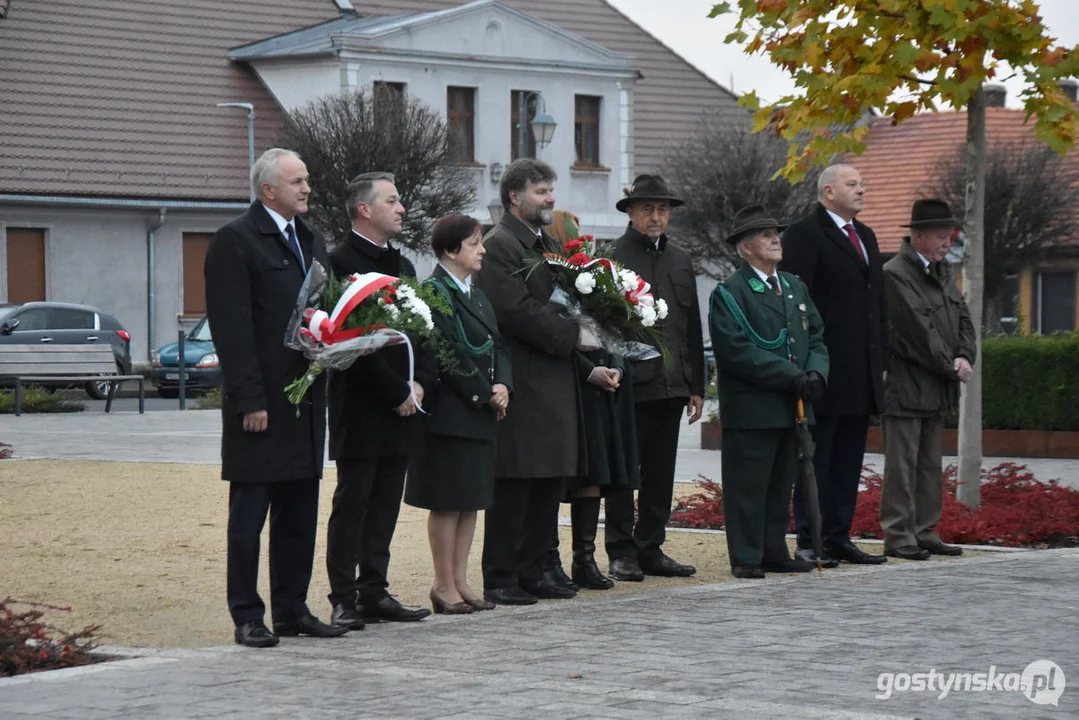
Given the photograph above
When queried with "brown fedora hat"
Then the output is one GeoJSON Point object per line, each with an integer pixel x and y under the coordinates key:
{"type": "Point", "coordinates": [647, 187]}
{"type": "Point", "coordinates": [932, 213]}
{"type": "Point", "coordinates": [754, 217]}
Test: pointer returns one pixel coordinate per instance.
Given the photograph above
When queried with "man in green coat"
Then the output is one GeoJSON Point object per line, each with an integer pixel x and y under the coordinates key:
{"type": "Point", "coordinates": [769, 346]}
{"type": "Point", "coordinates": [932, 347]}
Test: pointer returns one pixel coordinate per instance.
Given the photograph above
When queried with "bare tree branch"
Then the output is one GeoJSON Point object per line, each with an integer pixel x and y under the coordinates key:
{"type": "Point", "coordinates": [341, 136]}
{"type": "Point", "coordinates": [718, 171]}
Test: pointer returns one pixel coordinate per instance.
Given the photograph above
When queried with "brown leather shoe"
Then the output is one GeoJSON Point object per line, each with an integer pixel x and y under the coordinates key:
{"type": "Point", "coordinates": [441, 607]}
{"type": "Point", "coordinates": [942, 549]}
{"type": "Point", "coordinates": [907, 552]}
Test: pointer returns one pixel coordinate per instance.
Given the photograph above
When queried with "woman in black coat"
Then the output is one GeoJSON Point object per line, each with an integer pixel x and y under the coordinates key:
{"type": "Point", "coordinates": [454, 476]}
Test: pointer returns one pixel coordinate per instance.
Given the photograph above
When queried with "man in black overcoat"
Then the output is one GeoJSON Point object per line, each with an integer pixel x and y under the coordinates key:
{"type": "Point", "coordinates": [374, 426]}
{"type": "Point", "coordinates": [837, 258]}
{"type": "Point", "coordinates": [271, 456]}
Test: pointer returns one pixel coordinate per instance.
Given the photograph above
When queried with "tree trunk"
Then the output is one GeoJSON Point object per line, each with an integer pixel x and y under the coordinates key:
{"type": "Point", "coordinates": [969, 491]}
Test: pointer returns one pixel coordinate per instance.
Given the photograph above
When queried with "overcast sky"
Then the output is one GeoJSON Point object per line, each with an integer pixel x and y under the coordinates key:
{"type": "Point", "coordinates": [683, 25]}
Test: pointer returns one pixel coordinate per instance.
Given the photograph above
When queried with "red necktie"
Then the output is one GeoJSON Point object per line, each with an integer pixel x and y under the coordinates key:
{"type": "Point", "coordinates": [853, 237]}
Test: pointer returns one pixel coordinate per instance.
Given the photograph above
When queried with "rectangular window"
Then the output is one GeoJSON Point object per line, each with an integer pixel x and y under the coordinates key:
{"type": "Point", "coordinates": [586, 130]}
{"type": "Point", "coordinates": [515, 125]}
{"type": "Point", "coordinates": [461, 125]}
{"type": "Point", "coordinates": [1056, 301]}
{"type": "Point", "coordinates": [25, 265]}
{"type": "Point", "coordinates": [194, 261]}
{"type": "Point", "coordinates": [1009, 304]}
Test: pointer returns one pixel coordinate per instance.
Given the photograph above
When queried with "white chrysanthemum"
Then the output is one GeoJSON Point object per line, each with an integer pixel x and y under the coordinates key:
{"type": "Point", "coordinates": [412, 303]}
{"type": "Point", "coordinates": [661, 309]}
{"type": "Point", "coordinates": [392, 309]}
{"type": "Point", "coordinates": [648, 315]}
{"type": "Point", "coordinates": [585, 283]}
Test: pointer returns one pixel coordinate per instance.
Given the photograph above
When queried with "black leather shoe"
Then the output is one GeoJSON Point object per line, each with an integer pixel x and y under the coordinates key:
{"type": "Point", "coordinates": [665, 566]}
{"type": "Point", "coordinates": [588, 575]}
{"type": "Point", "coordinates": [942, 549]}
{"type": "Point", "coordinates": [849, 552]}
{"type": "Point", "coordinates": [626, 570]}
{"type": "Point", "coordinates": [308, 625]}
{"type": "Point", "coordinates": [546, 591]}
{"type": "Point", "coordinates": [807, 555]}
{"type": "Point", "coordinates": [557, 576]}
{"type": "Point", "coordinates": [747, 572]}
{"type": "Point", "coordinates": [388, 609]}
{"type": "Point", "coordinates": [790, 565]}
{"type": "Point", "coordinates": [907, 552]}
{"type": "Point", "coordinates": [255, 634]}
{"type": "Point", "coordinates": [509, 596]}
{"type": "Point", "coordinates": [346, 617]}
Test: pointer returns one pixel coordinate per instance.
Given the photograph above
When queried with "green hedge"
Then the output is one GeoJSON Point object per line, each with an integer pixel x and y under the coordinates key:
{"type": "Point", "coordinates": [1031, 382]}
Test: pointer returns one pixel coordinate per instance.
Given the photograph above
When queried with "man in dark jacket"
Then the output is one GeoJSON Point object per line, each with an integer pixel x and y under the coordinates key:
{"type": "Point", "coordinates": [373, 426]}
{"type": "Point", "coordinates": [271, 456]}
{"type": "Point", "coordinates": [770, 352]}
{"type": "Point", "coordinates": [932, 348]}
{"type": "Point", "coordinates": [660, 393]}
{"type": "Point", "coordinates": [837, 258]}
{"type": "Point", "coordinates": [538, 443]}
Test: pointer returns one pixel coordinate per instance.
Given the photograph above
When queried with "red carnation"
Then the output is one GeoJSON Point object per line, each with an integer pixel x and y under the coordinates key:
{"type": "Point", "coordinates": [578, 259]}
{"type": "Point", "coordinates": [587, 238]}
{"type": "Point", "coordinates": [573, 246]}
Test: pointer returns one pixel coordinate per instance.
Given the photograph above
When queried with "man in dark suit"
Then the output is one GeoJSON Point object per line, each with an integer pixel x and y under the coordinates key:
{"type": "Point", "coordinates": [539, 442]}
{"type": "Point", "coordinates": [769, 353]}
{"type": "Point", "coordinates": [270, 454]}
{"type": "Point", "coordinates": [837, 258]}
{"type": "Point", "coordinates": [373, 426]}
{"type": "Point", "coordinates": [661, 392]}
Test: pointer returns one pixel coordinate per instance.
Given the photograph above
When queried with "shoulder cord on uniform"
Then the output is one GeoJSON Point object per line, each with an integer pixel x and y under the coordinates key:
{"type": "Point", "coordinates": [736, 311]}
{"type": "Point", "coordinates": [473, 350]}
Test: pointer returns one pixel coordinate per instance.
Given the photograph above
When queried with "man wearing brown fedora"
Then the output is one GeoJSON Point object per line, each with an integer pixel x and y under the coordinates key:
{"type": "Point", "coordinates": [661, 392]}
{"type": "Point", "coordinates": [932, 349]}
{"type": "Point", "coordinates": [770, 353]}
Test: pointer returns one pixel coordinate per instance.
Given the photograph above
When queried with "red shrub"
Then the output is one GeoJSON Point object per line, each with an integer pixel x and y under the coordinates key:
{"type": "Point", "coordinates": [1017, 510]}
{"type": "Point", "coordinates": [29, 645]}
{"type": "Point", "coordinates": [5, 451]}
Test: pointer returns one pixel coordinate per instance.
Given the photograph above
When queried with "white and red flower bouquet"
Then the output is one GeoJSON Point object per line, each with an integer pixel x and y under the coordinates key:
{"type": "Point", "coordinates": [339, 319]}
{"type": "Point", "coordinates": [613, 299]}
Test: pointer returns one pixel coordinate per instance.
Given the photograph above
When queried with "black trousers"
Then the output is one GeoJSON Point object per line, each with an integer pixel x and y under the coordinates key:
{"type": "Point", "coordinates": [293, 510]}
{"type": "Point", "coordinates": [759, 468]}
{"type": "Point", "coordinates": [658, 423]}
{"type": "Point", "coordinates": [366, 504]}
{"type": "Point", "coordinates": [840, 442]}
{"type": "Point", "coordinates": [518, 530]}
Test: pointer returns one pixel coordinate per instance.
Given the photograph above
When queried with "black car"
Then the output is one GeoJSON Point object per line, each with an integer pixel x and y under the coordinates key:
{"type": "Point", "coordinates": [67, 324]}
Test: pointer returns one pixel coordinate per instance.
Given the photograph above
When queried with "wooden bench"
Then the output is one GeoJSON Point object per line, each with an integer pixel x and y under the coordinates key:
{"type": "Point", "coordinates": [69, 363]}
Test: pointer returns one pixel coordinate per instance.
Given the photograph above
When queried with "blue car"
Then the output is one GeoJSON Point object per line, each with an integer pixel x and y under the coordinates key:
{"type": "Point", "coordinates": [201, 370]}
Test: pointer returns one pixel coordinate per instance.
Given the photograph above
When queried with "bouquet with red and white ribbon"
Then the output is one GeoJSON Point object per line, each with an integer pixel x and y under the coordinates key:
{"type": "Point", "coordinates": [611, 297]}
{"type": "Point", "coordinates": [339, 319]}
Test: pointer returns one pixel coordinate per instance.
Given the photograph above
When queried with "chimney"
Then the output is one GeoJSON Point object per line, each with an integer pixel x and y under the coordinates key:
{"type": "Point", "coordinates": [994, 94]}
{"type": "Point", "coordinates": [1068, 87]}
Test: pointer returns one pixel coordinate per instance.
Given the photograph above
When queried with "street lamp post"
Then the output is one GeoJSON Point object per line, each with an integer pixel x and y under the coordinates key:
{"type": "Point", "coordinates": [543, 125]}
{"type": "Point", "coordinates": [250, 134]}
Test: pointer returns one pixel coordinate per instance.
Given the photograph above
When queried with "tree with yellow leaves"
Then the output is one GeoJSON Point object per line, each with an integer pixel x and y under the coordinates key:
{"type": "Point", "coordinates": [901, 57]}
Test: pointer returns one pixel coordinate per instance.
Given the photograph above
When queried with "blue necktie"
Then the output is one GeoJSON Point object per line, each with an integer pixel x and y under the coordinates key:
{"type": "Point", "coordinates": [294, 244]}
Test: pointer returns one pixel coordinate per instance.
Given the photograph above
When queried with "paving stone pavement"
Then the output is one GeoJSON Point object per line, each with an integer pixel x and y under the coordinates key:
{"type": "Point", "coordinates": [797, 647]}
{"type": "Point", "coordinates": [194, 436]}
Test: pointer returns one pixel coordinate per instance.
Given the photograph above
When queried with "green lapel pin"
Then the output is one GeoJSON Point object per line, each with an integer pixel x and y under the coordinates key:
{"type": "Point", "coordinates": [756, 285]}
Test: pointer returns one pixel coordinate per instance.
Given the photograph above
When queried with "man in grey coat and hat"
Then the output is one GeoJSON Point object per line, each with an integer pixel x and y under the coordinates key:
{"type": "Point", "coordinates": [932, 349]}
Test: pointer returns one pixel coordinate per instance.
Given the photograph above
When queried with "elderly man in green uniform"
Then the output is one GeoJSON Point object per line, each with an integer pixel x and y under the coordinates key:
{"type": "Point", "coordinates": [770, 352]}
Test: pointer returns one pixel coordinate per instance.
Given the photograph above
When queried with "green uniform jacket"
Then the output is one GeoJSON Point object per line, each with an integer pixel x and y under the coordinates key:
{"type": "Point", "coordinates": [928, 328]}
{"type": "Point", "coordinates": [460, 407]}
{"type": "Point", "coordinates": [754, 383]}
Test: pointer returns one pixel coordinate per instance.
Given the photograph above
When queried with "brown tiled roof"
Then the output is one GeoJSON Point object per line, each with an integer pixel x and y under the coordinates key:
{"type": "Point", "coordinates": [898, 163]}
{"type": "Point", "coordinates": [117, 98]}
